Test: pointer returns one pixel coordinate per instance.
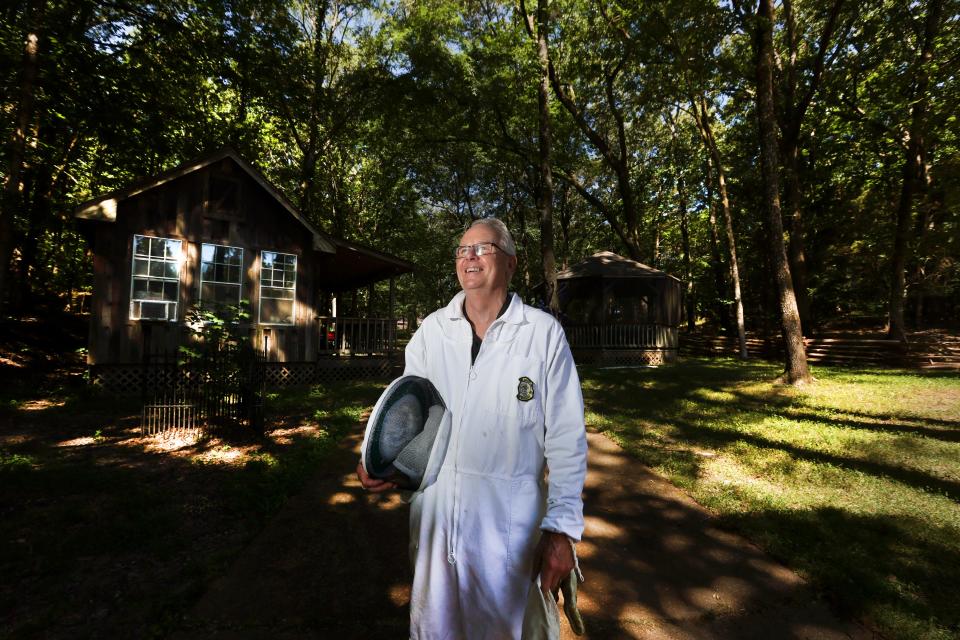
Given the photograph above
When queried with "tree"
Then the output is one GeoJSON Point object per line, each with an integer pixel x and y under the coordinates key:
{"type": "Point", "coordinates": [12, 201]}
{"type": "Point", "coordinates": [796, 359]}
{"type": "Point", "coordinates": [915, 173]}
{"type": "Point", "coordinates": [702, 117]}
{"type": "Point", "coordinates": [800, 84]}
{"type": "Point", "coordinates": [539, 32]}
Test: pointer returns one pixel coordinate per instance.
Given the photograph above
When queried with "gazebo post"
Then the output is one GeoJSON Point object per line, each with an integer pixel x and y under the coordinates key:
{"type": "Point", "coordinates": [603, 317]}
{"type": "Point", "coordinates": [392, 331]}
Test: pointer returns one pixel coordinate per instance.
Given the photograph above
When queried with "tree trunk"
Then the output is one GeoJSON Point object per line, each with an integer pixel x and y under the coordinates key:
{"type": "Point", "coordinates": [706, 131]}
{"type": "Point", "coordinates": [545, 191]}
{"type": "Point", "coordinates": [797, 250]}
{"type": "Point", "coordinates": [796, 371]}
{"type": "Point", "coordinates": [655, 248]}
{"type": "Point", "coordinates": [38, 220]}
{"type": "Point", "coordinates": [719, 284]}
{"type": "Point", "coordinates": [927, 215]}
{"type": "Point", "coordinates": [565, 225]}
{"type": "Point", "coordinates": [12, 199]}
{"type": "Point", "coordinates": [685, 237]}
{"type": "Point", "coordinates": [919, 269]}
{"type": "Point", "coordinates": [913, 172]}
{"type": "Point", "coordinates": [618, 160]}
{"type": "Point", "coordinates": [792, 114]}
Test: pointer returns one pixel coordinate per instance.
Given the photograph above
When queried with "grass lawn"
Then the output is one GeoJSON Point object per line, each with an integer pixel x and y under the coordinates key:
{"type": "Point", "coordinates": [854, 481]}
{"type": "Point", "coordinates": [104, 533]}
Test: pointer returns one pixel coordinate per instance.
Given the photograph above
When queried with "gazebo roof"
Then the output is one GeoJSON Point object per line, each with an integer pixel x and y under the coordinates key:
{"type": "Point", "coordinates": [606, 264]}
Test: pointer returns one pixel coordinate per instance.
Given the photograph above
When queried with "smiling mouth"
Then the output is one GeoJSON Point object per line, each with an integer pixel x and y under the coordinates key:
{"type": "Point", "coordinates": [473, 270]}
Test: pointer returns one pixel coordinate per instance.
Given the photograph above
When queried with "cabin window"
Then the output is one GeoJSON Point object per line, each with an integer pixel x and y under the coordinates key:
{"type": "Point", "coordinates": [224, 196]}
{"type": "Point", "coordinates": [278, 283]}
{"type": "Point", "coordinates": [221, 275]}
{"type": "Point", "coordinates": [155, 280]}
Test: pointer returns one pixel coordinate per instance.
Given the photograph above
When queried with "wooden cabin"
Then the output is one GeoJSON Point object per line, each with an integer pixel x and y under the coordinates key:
{"type": "Point", "coordinates": [617, 311]}
{"type": "Point", "coordinates": [215, 232]}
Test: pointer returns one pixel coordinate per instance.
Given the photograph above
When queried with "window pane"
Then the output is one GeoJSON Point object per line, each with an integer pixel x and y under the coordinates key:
{"type": "Point", "coordinates": [220, 294]}
{"type": "Point", "coordinates": [139, 288]}
{"type": "Point", "coordinates": [268, 258]}
{"type": "Point", "coordinates": [141, 246]}
{"type": "Point", "coordinates": [171, 249]}
{"type": "Point", "coordinates": [140, 266]}
{"type": "Point", "coordinates": [276, 292]}
{"type": "Point", "coordinates": [170, 291]}
{"type": "Point", "coordinates": [171, 270]}
{"type": "Point", "coordinates": [276, 311]}
{"type": "Point", "coordinates": [153, 310]}
{"type": "Point", "coordinates": [216, 264]}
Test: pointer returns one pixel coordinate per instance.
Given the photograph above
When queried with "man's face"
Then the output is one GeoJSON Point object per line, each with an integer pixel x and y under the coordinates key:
{"type": "Point", "coordinates": [487, 272]}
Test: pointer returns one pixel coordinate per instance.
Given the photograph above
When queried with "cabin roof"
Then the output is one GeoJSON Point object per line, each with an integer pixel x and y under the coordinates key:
{"type": "Point", "coordinates": [606, 264]}
{"type": "Point", "coordinates": [104, 208]}
{"type": "Point", "coordinates": [361, 263]}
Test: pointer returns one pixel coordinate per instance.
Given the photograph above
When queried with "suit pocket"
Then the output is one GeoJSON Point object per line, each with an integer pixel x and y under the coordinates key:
{"type": "Point", "coordinates": [525, 517]}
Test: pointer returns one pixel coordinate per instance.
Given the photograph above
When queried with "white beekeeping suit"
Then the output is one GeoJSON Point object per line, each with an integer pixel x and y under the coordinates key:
{"type": "Point", "coordinates": [517, 411]}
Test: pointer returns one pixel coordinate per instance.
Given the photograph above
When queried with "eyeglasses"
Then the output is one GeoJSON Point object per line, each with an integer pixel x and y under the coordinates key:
{"type": "Point", "coordinates": [479, 249]}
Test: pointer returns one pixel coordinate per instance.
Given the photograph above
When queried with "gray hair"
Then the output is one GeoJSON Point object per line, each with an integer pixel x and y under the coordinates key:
{"type": "Point", "coordinates": [504, 239]}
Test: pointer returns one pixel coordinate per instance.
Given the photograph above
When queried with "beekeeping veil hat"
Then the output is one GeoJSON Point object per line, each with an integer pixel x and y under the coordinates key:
{"type": "Point", "coordinates": [407, 434]}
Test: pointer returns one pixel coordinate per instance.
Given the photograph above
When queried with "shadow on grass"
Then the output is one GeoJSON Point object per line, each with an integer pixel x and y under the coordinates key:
{"type": "Point", "coordinates": [332, 564]}
{"type": "Point", "coordinates": [898, 568]}
{"type": "Point", "coordinates": [658, 565]}
{"type": "Point", "coordinates": [797, 409]}
{"type": "Point", "coordinates": [679, 404]}
{"type": "Point", "coordinates": [111, 539]}
{"type": "Point", "coordinates": [860, 370]}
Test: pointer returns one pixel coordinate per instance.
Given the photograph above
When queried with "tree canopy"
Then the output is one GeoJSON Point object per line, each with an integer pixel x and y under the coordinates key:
{"type": "Point", "coordinates": [396, 123]}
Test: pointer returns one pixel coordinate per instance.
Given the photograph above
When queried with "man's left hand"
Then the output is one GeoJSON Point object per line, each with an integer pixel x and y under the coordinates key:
{"type": "Point", "coordinates": [553, 560]}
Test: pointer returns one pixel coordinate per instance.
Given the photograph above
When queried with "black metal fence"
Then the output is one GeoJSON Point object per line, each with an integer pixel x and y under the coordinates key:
{"type": "Point", "coordinates": [188, 392]}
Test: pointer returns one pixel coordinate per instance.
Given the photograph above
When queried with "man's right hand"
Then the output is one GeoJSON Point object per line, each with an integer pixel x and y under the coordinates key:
{"type": "Point", "coordinates": [374, 485]}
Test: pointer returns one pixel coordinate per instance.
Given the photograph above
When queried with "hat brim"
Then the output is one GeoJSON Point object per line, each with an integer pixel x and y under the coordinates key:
{"type": "Point", "coordinates": [374, 462]}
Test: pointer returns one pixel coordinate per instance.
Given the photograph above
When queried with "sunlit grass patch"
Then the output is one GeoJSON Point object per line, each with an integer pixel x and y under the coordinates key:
{"type": "Point", "coordinates": [853, 481]}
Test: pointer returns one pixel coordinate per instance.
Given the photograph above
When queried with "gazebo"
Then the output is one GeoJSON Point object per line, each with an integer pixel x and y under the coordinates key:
{"type": "Point", "coordinates": [617, 311]}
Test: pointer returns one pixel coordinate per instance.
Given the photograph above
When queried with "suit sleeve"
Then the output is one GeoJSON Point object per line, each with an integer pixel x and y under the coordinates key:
{"type": "Point", "coordinates": [565, 444]}
{"type": "Point", "coordinates": [415, 354]}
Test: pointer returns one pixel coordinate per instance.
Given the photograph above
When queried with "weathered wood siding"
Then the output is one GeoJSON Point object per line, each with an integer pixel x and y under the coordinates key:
{"type": "Point", "coordinates": [182, 209]}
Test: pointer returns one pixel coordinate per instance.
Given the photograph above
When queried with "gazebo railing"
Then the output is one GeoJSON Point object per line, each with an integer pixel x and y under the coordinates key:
{"type": "Point", "coordinates": [356, 336]}
{"type": "Point", "coordinates": [621, 336]}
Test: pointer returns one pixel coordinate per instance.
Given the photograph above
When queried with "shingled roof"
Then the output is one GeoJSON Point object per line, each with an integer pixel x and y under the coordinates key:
{"type": "Point", "coordinates": [606, 264]}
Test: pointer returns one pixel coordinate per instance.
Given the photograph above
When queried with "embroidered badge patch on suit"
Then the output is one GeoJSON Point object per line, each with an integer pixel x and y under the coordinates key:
{"type": "Point", "coordinates": [525, 389]}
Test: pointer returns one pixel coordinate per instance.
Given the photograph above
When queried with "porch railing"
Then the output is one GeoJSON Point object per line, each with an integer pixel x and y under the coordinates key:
{"type": "Point", "coordinates": [621, 336]}
{"type": "Point", "coordinates": [356, 336]}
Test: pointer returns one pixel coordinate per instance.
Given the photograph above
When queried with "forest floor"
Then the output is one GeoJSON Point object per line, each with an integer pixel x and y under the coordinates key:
{"type": "Point", "coordinates": [852, 483]}
{"type": "Point", "coordinates": [107, 533]}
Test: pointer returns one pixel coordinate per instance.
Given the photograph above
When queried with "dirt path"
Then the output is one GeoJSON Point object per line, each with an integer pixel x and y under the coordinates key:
{"type": "Point", "coordinates": [333, 564]}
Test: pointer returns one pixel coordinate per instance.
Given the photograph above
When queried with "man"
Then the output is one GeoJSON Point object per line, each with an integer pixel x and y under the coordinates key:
{"type": "Point", "coordinates": [506, 506]}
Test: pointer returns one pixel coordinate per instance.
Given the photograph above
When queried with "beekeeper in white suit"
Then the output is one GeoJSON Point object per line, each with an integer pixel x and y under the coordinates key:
{"type": "Point", "coordinates": [506, 506]}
